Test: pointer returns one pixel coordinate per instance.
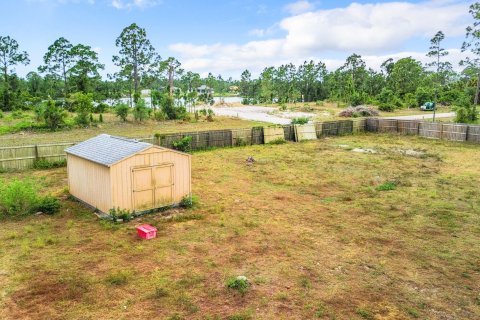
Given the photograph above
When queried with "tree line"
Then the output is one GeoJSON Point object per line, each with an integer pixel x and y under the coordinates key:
{"type": "Point", "coordinates": [72, 70]}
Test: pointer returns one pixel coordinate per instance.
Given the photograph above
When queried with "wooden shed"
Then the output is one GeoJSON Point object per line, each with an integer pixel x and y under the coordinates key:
{"type": "Point", "coordinates": [109, 172]}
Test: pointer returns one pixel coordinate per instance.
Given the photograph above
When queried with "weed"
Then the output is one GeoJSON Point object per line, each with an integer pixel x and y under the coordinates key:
{"type": "Point", "coordinates": [365, 314]}
{"type": "Point", "coordinates": [412, 312]}
{"type": "Point", "coordinates": [184, 144]}
{"type": "Point", "coordinates": [118, 278]}
{"type": "Point", "coordinates": [278, 141]}
{"type": "Point", "coordinates": [300, 120]}
{"type": "Point", "coordinates": [189, 202]}
{"type": "Point", "coordinates": [43, 164]}
{"type": "Point", "coordinates": [186, 217]}
{"type": "Point", "coordinates": [246, 315]}
{"type": "Point", "coordinates": [239, 283]}
{"type": "Point", "coordinates": [160, 292]}
{"type": "Point", "coordinates": [387, 186]}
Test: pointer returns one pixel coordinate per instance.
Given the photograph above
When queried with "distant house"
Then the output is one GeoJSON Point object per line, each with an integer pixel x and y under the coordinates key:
{"type": "Point", "coordinates": [203, 89]}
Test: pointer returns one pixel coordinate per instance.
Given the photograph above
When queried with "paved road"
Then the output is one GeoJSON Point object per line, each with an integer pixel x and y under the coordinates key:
{"type": "Point", "coordinates": [424, 116]}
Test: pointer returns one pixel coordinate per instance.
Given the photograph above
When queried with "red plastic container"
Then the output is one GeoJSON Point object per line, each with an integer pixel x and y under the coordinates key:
{"type": "Point", "coordinates": [146, 231]}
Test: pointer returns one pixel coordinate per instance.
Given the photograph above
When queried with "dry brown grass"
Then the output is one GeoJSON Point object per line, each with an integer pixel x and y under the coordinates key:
{"type": "Point", "coordinates": [305, 224]}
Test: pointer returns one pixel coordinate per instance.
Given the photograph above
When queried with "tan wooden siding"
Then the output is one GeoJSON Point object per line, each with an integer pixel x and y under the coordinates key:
{"type": "Point", "coordinates": [121, 174]}
{"type": "Point", "coordinates": [90, 182]}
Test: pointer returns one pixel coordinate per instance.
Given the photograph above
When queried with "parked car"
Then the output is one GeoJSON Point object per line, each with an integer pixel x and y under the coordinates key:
{"type": "Point", "coordinates": [428, 106]}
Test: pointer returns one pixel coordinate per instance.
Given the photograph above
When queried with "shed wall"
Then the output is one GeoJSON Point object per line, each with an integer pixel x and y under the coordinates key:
{"type": "Point", "coordinates": [89, 182]}
{"type": "Point", "coordinates": [121, 174]}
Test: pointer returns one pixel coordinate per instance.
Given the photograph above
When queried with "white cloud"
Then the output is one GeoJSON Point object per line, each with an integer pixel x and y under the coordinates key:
{"type": "Point", "coordinates": [299, 7]}
{"type": "Point", "coordinates": [129, 4]}
{"type": "Point", "coordinates": [372, 30]}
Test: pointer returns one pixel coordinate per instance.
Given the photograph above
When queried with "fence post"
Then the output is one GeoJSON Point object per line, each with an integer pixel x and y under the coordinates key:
{"type": "Point", "coordinates": [36, 153]}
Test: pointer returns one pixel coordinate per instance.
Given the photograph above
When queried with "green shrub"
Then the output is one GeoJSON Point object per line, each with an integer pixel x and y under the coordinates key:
{"type": "Point", "coordinates": [120, 215]}
{"type": "Point", "coordinates": [210, 115]}
{"type": "Point", "coordinates": [53, 115]}
{"type": "Point", "coordinates": [283, 107]}
{"type": "Point", "coordinates": [184, 144]}
{"type": "Point", "coordinates": [100, 118]}
{"type": "Point", "coordinates": [189, 202]}
{"type": "Point", "coordinates": [424, 94]}
{"type": "Point", "coordinates": [48, 205]}
{"type": "Point", "coordinates": [42, 164]}
{"type": "Point", "coordinates": [278, 141]}
{"type": "Point", "coordinates": [357, 99]}
{"type": "Point", "coordinates": [160, 116]}
{"type": "Point", "coordinates": [387, 107]}
{"type": "Point", "coordinates": [140, 112]}
{"type": "Point", "coordinates": [100, 108]}
{"type": "Point", "coordinates": [17, 198]}
{"type": "Point", "coordinates": [83, 106]}
{"type": "Point", "coordinates": [410, 100]}
{"type": "Point", "coordinates": [21, 198]}
{"type": "Point", "coordinates": [300, 120]}
{"type": "Point", "coordinates": [122, 110]}
{"type": "Point", "coordinates": [466, 111]}
{"type": "Point", "coordinates": [239, 283]}
{"type": "Point", "coordinates": [387, 186]}
{"type": "Point", "coordinates": [1, 114]}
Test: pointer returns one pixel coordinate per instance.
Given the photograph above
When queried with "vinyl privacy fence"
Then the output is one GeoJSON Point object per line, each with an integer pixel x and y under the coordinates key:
{"type": "Point", "coordinates": [24, 157]}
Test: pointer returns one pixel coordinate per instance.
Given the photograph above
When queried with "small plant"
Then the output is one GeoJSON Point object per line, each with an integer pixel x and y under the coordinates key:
{"type": "Point", "coordinates": [210, 115]}
{"type": "Point", "coordinates": [240, 142]}
{"type": "Point", "coordinates": [300, 120]}
{"type": "Point", "coordinates": [118, 278]}
{"type": "Point", "coordinates": [160, 116]}
{"type": "Point", "coordinates": [100, 118]}
{"type": "Point", "coordinates": [278, 141]}
{"type": "Point", "coordinates": [189, 202]}
{"type": "Point", "coordinates": [282, 107]}
{"type": "Point", "coordinates": [365, 314]}
{"type": "Point", "coordinates": [140, 112]}
{"type": "Point", "coordinates": [387, 186]}
{"type": "Point", "coordinates": [239, 283]}
{"type": "Point", "coordinates": [48, 205]}
{"type": "Point", "coordinates": [1, 114]}
{"type": "Point", "coordinates": [120, 215]}
{"type": "Point", "coordinates": [184, 144]}
{"type": "Point", "coordinates": [43, 164]}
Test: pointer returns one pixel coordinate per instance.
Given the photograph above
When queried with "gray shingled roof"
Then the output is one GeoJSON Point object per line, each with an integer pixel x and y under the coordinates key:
{"type": "Point", "coordinates": [106, 149]}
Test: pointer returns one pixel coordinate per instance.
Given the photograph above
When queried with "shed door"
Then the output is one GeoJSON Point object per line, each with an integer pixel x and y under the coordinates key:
{"type": "Point", "coordinates": [152, 187]}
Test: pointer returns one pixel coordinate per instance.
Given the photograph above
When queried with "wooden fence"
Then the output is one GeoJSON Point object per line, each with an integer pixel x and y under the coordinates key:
{"type": "Point", "coordinates": [24, 157]}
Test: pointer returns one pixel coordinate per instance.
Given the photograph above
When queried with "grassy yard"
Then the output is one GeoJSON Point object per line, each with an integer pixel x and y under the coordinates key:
{"type": "Point", "coordinates": [320, 231]}
{"type": "Point", "coordinates": [111, 125]}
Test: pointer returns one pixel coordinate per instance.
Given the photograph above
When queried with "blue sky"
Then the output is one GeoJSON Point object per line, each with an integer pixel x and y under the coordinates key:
{"type": "Point", "coordinates": [228, 36]}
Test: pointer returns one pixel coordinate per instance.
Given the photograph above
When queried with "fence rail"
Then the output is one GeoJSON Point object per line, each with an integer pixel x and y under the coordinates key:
{"type": "Point", "coordinates": [24, 157]}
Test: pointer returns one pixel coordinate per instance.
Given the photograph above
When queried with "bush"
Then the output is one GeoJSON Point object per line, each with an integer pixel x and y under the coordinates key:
{"type": "Point", "coordinates": [283, 107]}
{"type": "Point", "coordinates": [43, 164]}
{"type": "Point", "coordinates": [301, 120]}
{"type": "Point", "coordinates": [1, 114]}
{"type": "Point", "coordinates": [160, 116]}
{"type": "Point", "coordinates": [184, 144]}
{"type": "Point", "coordinates": [189, 202]}
{"type": "Point", "coordinates": [20, 198]}
{"type": "Point", "coordinates": [386, 96]}
{"type": "Point", "coordinates": [239, 283]}
{"type": "Point", "coordinates": [278, 141]}
{"type": "Point", "coordinates": [83, 106]}
{"type": "Point", "coordinates": [54, 116]}
{"type": "Point", "coordinates": [140, 112]}
{"type": "Point", "coordinates": [121, 111]}
{"type": "Point", "coordinates": [424, 94]}
{"type": "Point", "coordinates": [48, 205]}
{"type": "Point", "coordinates": [100, 108]}
{"type": "Point", "coordinates": [210, 115]}
{"type": "Point", "coordinates": [410, 100]}
{"type": "Point", "coordinates": [387, 107]}
{"type": "Point", "coordinates": [357, 99]}
{"type": "Point", "coordinates": [466, 111]}
{"type": "Point", "coordinates": [359, 111]}
{"type": "Point", "coordinates": [100, 118]}
{"type": "Point", "coordinates": [122, 215]}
